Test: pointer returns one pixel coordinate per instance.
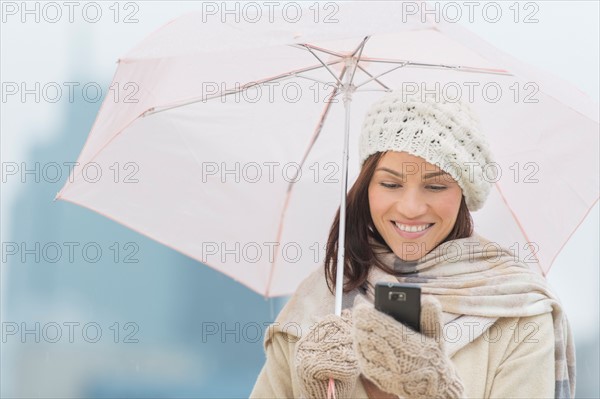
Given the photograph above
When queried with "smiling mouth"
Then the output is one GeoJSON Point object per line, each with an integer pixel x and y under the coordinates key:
{"type": "Point", "coordinates": [412, 229]}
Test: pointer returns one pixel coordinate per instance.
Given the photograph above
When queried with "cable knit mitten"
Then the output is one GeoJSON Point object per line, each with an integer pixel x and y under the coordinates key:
{"type": "Point", "coordinates": [327, 351]}
{"type": "Point", "coordinates": [401, 361]}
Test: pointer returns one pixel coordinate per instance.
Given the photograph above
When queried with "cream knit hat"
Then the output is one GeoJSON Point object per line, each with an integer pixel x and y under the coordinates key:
{"type": "Point", "coordinates": [443, 133]}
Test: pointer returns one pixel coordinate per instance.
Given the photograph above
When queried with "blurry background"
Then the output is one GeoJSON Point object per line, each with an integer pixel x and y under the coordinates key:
{"type": "Point", "coordinates": [139, 319]}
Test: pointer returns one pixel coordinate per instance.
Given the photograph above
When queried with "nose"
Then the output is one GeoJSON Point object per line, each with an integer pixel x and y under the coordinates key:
{"type": "Point", "coordinates": [412, 203]}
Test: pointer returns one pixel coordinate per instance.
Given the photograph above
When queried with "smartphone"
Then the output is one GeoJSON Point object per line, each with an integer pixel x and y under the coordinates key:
{"type": "Point", "coordinates": [401, 301]}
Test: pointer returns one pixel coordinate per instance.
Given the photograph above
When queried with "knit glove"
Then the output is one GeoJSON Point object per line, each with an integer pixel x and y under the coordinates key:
{"type": "Point", "coordinates": [401, 361]}
{"type": "Point", "coordinates": [326, 351]}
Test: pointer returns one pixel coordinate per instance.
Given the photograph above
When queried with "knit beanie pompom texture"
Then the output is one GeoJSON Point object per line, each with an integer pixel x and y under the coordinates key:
{"type": "Point", "coordinates": [444, 133]}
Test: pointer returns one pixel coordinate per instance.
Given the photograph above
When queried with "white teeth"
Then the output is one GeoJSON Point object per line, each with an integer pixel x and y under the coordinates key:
{"type": "Point", "coordinates": [412, 229]}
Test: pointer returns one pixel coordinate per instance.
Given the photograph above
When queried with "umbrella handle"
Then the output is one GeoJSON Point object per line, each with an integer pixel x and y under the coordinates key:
{"type": "Point", "coordinates": [331, 389]}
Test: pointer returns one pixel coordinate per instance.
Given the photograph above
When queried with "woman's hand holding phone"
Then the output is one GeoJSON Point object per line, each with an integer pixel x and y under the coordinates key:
{"type": "Point", "coordinates": [400, 360]}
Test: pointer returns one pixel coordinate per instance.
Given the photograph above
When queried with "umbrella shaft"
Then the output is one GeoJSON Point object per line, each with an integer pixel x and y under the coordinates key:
{"type": "Point", "coordinates": [339, 278]}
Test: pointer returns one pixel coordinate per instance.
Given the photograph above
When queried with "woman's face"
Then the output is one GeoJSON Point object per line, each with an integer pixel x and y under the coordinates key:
{"type": "Point", "coordinates": [413, 204]}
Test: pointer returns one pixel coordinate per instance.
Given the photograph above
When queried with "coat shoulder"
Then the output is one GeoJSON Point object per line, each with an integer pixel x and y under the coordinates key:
{"type": "Point", "coordinates": [311, 300]}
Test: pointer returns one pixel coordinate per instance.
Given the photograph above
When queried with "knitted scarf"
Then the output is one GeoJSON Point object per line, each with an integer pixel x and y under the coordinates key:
{"type": "Point", "coordinates": [477, 282]}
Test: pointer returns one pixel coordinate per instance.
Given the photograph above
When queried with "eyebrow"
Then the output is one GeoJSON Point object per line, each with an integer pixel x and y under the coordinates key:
{"type": "Point", "coordinates": [402, 176]}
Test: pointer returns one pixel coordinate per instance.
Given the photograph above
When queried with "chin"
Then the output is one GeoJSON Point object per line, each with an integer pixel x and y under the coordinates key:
{"type": "Point", "coordinates": [423, 248]}
{"type": "Point", "coordinates": [411, 258]}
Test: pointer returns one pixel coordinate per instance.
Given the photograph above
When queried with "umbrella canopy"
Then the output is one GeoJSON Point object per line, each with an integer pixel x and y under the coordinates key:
{"type": "Point", "coordinates": [226, 140]}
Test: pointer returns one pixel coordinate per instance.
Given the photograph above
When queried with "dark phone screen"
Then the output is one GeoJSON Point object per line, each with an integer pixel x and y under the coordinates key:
{"type": "Point", "coordinates": [401, 301]}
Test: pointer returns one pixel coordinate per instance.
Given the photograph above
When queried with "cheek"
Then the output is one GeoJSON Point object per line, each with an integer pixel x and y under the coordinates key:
{"type": "Point", "coordinates": [372, 202]}
{"type": "Point", "coordinates": [376, 204]}
{"type": "Point", "coordinates": [447, 206]}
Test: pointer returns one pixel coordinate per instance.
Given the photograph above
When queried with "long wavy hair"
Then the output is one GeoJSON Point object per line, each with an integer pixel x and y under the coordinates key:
{"type": "Point", "coordinates": [358, 254]}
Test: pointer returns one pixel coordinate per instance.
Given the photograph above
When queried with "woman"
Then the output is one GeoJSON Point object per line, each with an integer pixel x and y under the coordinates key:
{"type": "Point", "coordinates": [490, 326]}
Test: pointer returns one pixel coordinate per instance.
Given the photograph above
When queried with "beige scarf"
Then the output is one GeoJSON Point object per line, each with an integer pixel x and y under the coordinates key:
{"type": "Point", "coordinates": [477, 282]}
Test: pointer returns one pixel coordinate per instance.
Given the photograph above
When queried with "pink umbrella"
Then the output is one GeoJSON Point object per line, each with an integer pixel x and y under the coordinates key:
{"type": "Point", "coordinates": [230, 146]}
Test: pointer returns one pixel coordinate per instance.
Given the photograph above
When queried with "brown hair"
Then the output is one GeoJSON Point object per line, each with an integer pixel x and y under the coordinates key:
{"type": "Point", "coordinates": [359, 255]}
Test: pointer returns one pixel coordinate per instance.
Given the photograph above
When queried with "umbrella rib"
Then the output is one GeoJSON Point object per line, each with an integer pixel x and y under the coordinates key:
{"type": "Point", "coordinates": [366, 90]}
{"type": "Point", "coordinates": [324, 64]}
{"type": "Point", "coordinates": [318, 128]}
{"type": "Point", "coordinates": [571, 234]}
{"type": "Point", "coordinates": [360, 49]}
{"type": "Point", "coordinates": [154, 110]}
{"type": "Point", "coordinates": [519, 225]}
{"type": "Point", "coordinates": [316, 80]}
{"type": "Point", "coordinates": [418, 64]}
{"type": "Point", "coordinates": [374, 78]}
{"type": "Point", "coordinates": [381, 74]}
{"type": "Point", "coordinates": [424, 64]}
{"type": "Point", "coordinates": [291, 185]}
{"type": "Point", "coordinates": [288, 75]}
{"type": "Point", "coordinates": [305, 46]}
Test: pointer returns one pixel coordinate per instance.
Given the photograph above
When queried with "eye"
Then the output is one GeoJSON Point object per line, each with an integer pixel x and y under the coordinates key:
{"type": "Point", "coordinates": [437, 188]}
{"type": "Point", "coordinates": [389, 185]}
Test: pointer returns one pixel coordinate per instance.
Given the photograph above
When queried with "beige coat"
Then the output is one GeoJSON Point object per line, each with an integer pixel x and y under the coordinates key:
{"type": "Point", "coordinates": [514, 359]}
